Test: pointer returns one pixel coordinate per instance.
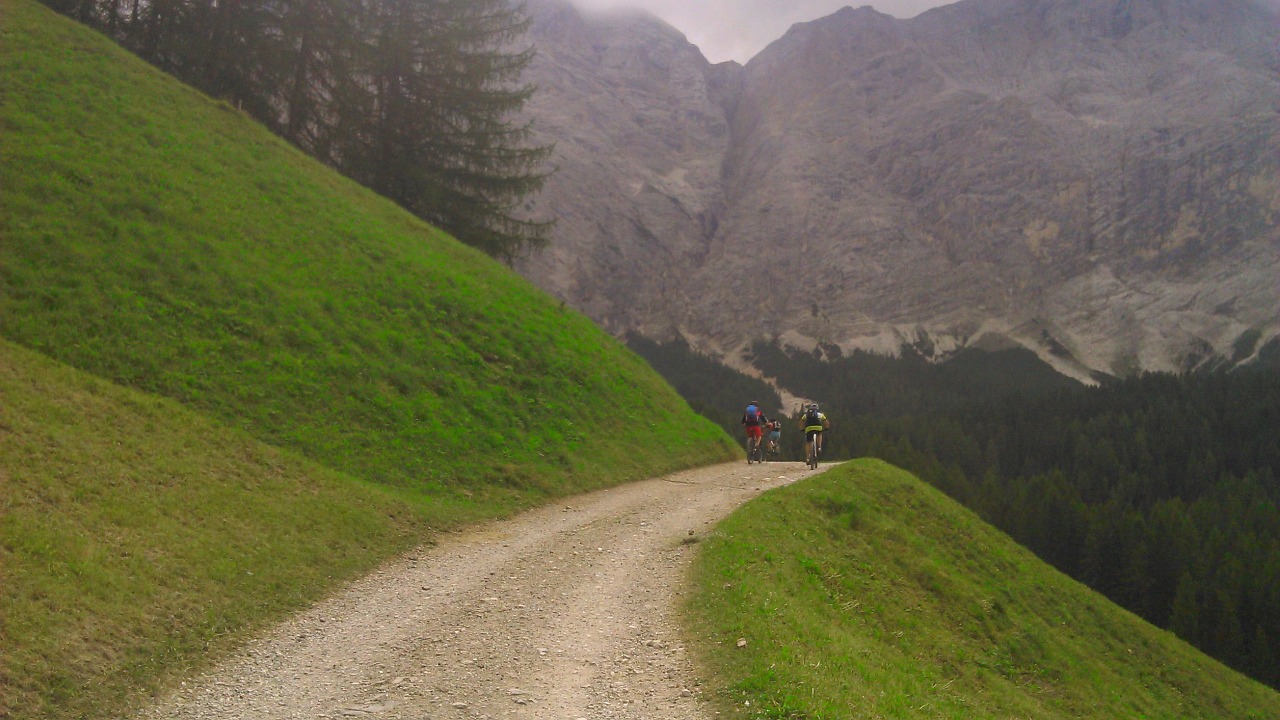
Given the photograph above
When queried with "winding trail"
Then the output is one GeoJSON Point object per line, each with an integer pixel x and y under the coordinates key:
{"type": "Point", "coordinates": [564, 612]}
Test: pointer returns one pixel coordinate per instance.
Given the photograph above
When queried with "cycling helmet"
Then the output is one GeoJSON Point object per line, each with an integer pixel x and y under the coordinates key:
{"type": "Point", "coordinates": [813, 406]}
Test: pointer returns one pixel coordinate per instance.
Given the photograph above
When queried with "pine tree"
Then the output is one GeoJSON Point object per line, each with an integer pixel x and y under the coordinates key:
{"type": "Point", "coordinates": [417, 99]}
{"type": "Point", "coordinates": [1262, 656]}
{"type": "Point", "coordinates": [430, 118]}
{"type": "Point", "coordinates": [1184, 617]}
{"type": "Point", "coordinates": [318, 40]}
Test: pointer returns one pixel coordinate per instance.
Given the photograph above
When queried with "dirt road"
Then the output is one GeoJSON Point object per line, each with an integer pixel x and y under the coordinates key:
{"type": "Point", "coordinates": [565, 612]}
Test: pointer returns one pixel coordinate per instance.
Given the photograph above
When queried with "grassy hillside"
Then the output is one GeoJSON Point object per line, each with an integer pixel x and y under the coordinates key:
{"type": "Point", "coordinates": [164, 241]}
{"type": "Point", "coordinates": [865, 593]}
{"type": "Point", "coordinates": [136, 535]}
{"type": "Point", "coordinates": [230, 379]}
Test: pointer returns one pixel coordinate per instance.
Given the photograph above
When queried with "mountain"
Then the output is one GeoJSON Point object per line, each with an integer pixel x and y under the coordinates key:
{"type": "Point", "coordinates": [1097, 180]}
{"type": "Point", "coordinates": [641, 130]}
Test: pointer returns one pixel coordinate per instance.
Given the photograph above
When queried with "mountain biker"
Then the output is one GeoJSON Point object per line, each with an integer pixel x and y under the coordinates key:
{"type": "Point", "coordinates": [753, 422]}
{"type": "Point", "coordinates": [775, 436]}
{"type": "Point", "coordinates": [813, 422]}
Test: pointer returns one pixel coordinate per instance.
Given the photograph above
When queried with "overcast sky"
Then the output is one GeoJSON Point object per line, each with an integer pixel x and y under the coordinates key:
{"type": "Point", "coordinates": [738, 29]}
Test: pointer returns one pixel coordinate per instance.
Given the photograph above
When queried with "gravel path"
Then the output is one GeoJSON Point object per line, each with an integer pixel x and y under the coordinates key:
{"type": "Point", "coordinates": [562, 613]}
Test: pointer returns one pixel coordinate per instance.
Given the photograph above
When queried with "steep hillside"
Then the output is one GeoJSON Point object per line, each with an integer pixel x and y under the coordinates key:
{"type": "Point", "coordinates": [865, 593]}
{"type": "Point", "coordinates": [313, 380]}
{"type": "Point", "coordinates": [1095, 180]}
{"type": "Point", "coordinates": [139, 538]}
{"type": "Point", "coordinates": [161, 240]}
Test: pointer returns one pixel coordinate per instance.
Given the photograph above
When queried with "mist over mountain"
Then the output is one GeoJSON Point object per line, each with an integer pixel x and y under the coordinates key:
{"type": "Point", "coordinates": [1097, 180]}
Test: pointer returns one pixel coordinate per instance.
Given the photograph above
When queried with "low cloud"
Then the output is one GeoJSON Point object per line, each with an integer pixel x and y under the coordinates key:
{"type": "Point", "coordinates": [738, 29]}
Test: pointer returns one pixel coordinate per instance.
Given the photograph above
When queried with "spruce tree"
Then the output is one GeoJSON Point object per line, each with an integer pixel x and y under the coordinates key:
{"type": "Point", "coordinates": [430, 118]}
{"type": "Point", "coordinates": [1184, 616]}
{"type": "Point", "coordinates": [317, 41]}
{"type": "Point", "coordinates": [417, 99]}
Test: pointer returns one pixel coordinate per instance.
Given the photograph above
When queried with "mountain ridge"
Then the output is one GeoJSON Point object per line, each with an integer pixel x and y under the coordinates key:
{"type": "Point", "coordinates": [1090, 179]}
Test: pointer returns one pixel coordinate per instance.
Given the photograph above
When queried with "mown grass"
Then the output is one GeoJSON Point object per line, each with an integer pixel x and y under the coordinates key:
{"type": "Point", "coordinates": [865, 593]}
{"type": "Point", "coordinates": [136, 535]}
{"type": "Point", "coordinates": [164, 241]}
{"type": "Point", "coordinates": [315, 379]}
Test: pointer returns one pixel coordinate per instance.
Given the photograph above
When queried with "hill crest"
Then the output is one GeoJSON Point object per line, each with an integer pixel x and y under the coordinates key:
{"type": "Point", "coordinates": [864, 592]}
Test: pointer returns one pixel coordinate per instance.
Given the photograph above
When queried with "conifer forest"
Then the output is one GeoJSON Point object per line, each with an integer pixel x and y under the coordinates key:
{"type": "Point", "coordinates": [417, 100]}
{"type": "Point", "coordinates": [1160, 491]}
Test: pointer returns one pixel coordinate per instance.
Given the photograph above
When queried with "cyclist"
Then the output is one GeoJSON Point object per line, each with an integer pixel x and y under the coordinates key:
{"type": "Point", "coordinates": [813, 422]}
{"type": "Point", "coordinates": [774, 437]}
{"type": "Point", "coordinates": [753, 422]}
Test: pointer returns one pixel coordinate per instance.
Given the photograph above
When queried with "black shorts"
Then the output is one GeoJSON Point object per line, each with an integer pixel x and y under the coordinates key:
{"type": "Point", "coordinates": [809, 435]}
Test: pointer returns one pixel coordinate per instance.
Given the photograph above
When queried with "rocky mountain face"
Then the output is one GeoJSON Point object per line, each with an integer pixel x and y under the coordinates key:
{"type": "Point", "coordinates": [1098, 180]}
{"type": "Point", "coordinates": [638, 118]}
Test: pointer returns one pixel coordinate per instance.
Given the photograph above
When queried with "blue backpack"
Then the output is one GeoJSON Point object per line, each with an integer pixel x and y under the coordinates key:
{"type": "Point", "coordinates": [753, 415]}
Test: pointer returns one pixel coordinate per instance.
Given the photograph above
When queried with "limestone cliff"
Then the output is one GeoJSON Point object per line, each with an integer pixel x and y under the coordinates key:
{"type": "Point", "coordinates": [1098, 180]}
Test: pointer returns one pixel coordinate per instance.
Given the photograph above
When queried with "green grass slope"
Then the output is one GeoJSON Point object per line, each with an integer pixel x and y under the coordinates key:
{"type": "Point", "coordinates": [865, 593]}
{"type": "Point", "coordinates": [164, 241]}
{"type": "Point", "coordinates": [136, 536]}
{"type": "Point", "coordinates": [231, 380]}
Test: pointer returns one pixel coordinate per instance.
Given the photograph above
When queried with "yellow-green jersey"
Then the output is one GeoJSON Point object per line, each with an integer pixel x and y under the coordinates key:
{"type": "Point", "coordinates": [815, 427]}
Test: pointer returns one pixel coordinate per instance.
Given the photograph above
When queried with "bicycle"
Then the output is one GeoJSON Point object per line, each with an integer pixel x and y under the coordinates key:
{"type": "Point", "coordinates": [772, 451]}
{"type": "Point", "coordinates": [755, 454]}
{"type": "Point", "coordinates": [811, 452]}
{"type": "Point", "coordinates": [813, 423]}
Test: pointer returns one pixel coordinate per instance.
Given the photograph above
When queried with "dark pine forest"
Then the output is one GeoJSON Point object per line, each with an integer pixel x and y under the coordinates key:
{"type": "Point", "coordinates": [1159, 491]}
{"type": "Point", "coordinates": [417, 100]}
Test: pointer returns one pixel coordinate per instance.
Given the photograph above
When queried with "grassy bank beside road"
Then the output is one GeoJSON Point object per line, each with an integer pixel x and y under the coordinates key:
{"type": "Point", "coordinates": [137, 537]}
{"type": "Point", "coordinates": [865, 593]}
{"type": "Point", "coordinates": [230, 379]}
{"type": "Point", "coordinates": [164, 241]}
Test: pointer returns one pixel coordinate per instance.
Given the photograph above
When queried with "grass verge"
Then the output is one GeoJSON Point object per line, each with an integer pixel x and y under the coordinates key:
{"type": "Point", "coordinates": [865, 593]}
{"type": "Point", "coordinates": [153, 237]}
{"type": "Point", "coordinates": [315, 377]}
{"type": "Point", "coordinates": [137, 536]}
